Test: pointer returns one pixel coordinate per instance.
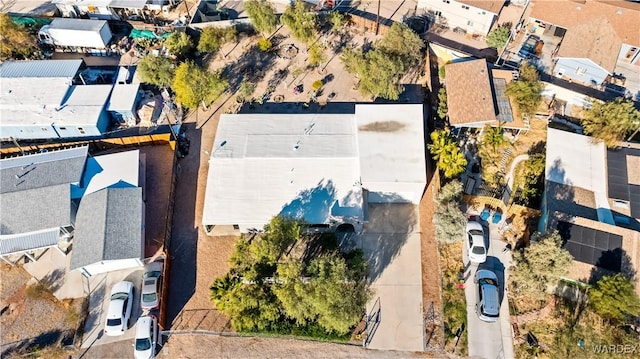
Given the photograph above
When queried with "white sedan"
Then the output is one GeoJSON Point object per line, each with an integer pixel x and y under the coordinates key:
{"type": "Point", "coordinates": [119, 310]}
{"type": "Point", "coordinates": [149, 298]}
{"type": "Point", "coordinates": [146, 338]}
{"type": "Point", "coordinates": [475, 242]}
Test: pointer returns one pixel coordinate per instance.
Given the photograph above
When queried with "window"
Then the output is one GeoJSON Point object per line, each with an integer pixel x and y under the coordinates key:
{"type": "Point", "coordinates": [465, 7]}
{"type": "Point", "coordinates": [63, 128]}
{"type": "Point", "coordinates": [621, 204]}
{"type": "Point", "coordinates": [82, 131]}
{"type": "Point", "coordinates": [235, 226]}
{"type": "Point", "coordinates": [580, 70]}
{"type": "Point", "coordinates": [469, 23]}
{"type": "Point", "coordinates": [446, 1]}
{"type": "Point", "coordinates": [437, 13]}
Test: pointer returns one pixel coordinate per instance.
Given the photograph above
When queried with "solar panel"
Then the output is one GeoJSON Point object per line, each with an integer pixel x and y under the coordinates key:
{"type": "Point", "coordinates": [634, 200]}
{"type": "Point", "coordinates": [592, 246]}
{"type": "Point", "coordinates": [504, 107]}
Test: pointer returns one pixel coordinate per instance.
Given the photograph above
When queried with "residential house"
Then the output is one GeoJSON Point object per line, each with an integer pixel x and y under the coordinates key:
{"type": "Point", "coordinates": [125, 97]}
{"type": "Point", "coordinates": [592, 196]}
{"type": "Point", "coordinates": [476, 97]}
{"type": "Point", "coordinates": [108, 9]}
{"type": "Point", "coordinates": [35, 197]}
{"type": "Point", "coordinates": [600, 37]}
{"type": "Point", "coordinates": [471, 16]}
{"type": "Point", "coordinates": [322, 168]}
{"type": "Point", "coordinates": [49, 99]}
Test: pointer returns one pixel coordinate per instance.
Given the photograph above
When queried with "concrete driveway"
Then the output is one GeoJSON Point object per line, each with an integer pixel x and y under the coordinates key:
{"type": "Point", "coordinates": [100, 287]}
{"type": "Point", "coordinates": [489, 340]}
{"type": "Point", "coordinates": [391, 243]}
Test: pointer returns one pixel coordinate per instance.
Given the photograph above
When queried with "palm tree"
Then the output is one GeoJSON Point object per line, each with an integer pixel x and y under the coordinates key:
{"type": "Point", "coordinates": [447, 154]}
{"type": "Point", "coordinates": [493, 136]}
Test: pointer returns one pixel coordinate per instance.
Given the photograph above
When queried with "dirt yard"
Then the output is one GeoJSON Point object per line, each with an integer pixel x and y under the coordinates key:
{"type": "Point", "coordinates": [31, 317]}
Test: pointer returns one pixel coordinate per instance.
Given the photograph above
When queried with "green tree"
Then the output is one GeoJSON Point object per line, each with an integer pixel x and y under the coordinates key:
{"type": "Point", "coordinates": [194, 85]}
{"type": "Point", "coordinates": [178, 44]}
{"type": "Point", "coordinates": [337, 21]}
{"type": "Point", "coordinates": [538, 267]}
{"type": "Point", "coordinates": [156, 70]}
{"type": "Point", "coordinates": [316, 55]}
{"type": "Point", "coordinates": [212, 38]}
{"type": "Point", "coordinates": [445, 151]}
{"type": "Point", "coordinates": [245, 91]}
{"type": "Point", "coordinates": [493, 136]}
{"type": "Point", "coordinates": [403, 44]}
{"type": "Point", "coordinates": [614, 298]}
{"type": "Point", "coordinates": [15, 41]}
{"type": "Point", "coordinates": [278, 236]}
{"type": "Point", "coordinates": [499, 36]}
{"type": "Point", "coordinates": [380, 70]}
{"type": "Point", "coordinates": [449, 220]}
{"type": "Point", "coordinates": [264, 44]}
{"type": "Point", "coordinates": [526, 91]}
{"type": "Point", "coordinates": [332, 281]}
{"type": "Point", "coordinates": [293, 292]}
{"type": "Point", "coordinates": [262, 15]}
{"type": "Point", "coordinates": [611, 121]}
{"type": "Point", "coordinates": [533, 179]}
{"type": "Point", "coordinates": [300, 21]}
{"type": "Point", "coordinates": [443, 109]}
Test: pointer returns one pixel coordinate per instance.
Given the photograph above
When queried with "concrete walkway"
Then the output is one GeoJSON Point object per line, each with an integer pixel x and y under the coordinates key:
{"type": "Point", "coordinates": [514, 163]}
{"type": "Point", "coordinates": [391, 243]}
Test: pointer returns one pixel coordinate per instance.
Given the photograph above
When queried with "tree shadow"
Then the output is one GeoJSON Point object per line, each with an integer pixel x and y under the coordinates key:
{"type": "Point", "coordinates": [611, 262]}
{"type": "Point", "coordinates": [313, 205]}
{"type": "Point", "coordinates": [251, 66]}
{"type": "Point", "coordinates": [538, 147]}
{"type": "Point", "coordinates": [26, 346]}
{"type": "Point", "coordinates": [54, 279]}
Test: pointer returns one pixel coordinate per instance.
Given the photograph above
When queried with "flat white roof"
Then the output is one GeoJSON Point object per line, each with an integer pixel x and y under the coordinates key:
{"type": "Point", "coordinates": [123, 97]}
{"type": "Point", "coordinates": [41, 68]}
{"type": "Point", "coordinates": [261, 165]}
{"type": "Point", "coordinates": [115, 170]}
{"type": "Point", "coordinates": [43, 101]}
{"type": "Point", "coordinates": [576, 160]}
{"type": "Point", "coordinates": [391, 143]}
{"type": "Point", "coordinates": [77, 24]}
{"type": "Point", "coordinates": [309, 166]}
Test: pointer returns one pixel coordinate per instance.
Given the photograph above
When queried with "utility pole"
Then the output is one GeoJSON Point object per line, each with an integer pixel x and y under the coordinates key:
{"type": "Point", "coordinates": [378, 18]}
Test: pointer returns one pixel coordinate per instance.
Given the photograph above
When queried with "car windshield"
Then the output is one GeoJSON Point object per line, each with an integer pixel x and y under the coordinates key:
{"type": "Point", "coordinates": [477, 250]}
{"type": "Point", "coordinates": [121, 296]}
{"type": "Point", "coordinates": [475, 232]}
{"type": "Point", "coordinates": [143, 344]}
{"type": "Point", "coordinates": [149, 297]}
{"type": "Point", "coordinates": [489, 281]}
{"type": "Point", "coordinates": [114, 322]}
{"type": "Point", "coordinates": [154, 274]}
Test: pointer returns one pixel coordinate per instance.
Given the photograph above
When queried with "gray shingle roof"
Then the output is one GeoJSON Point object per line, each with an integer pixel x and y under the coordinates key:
{"type": "Point", "coordinates": [41, 68]}
{"type": "Point", "coordinates": [108, 226]}
{"type": "Point", "coordinates": [35, 209]}
{"type": "Point", "coordinates": [42, 170]}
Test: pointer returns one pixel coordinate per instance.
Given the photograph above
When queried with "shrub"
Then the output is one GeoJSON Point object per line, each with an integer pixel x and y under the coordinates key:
{"type": "Point", "coordinates": [264, 44]}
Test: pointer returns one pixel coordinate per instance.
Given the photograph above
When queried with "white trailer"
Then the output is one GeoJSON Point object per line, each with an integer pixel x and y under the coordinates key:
{"type": "Point", "coordinates": [76, 33]}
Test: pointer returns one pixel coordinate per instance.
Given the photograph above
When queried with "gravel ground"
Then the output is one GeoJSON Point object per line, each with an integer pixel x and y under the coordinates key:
{"type": "Point", "coordinates": [28, 321]}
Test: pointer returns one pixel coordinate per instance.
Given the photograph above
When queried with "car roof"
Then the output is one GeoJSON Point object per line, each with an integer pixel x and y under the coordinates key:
{"type": "Point", "coordinates": [149, 285]}
{"type": "Point", "coordinates": [491, 300]}
{"type": "Point", "coordinates": [485, 273]}
{"type": "Point", "coordinates": [121, 287]}
{"type": "Point", "coordinates": [143, 327]}
{"type": "Point", "coordinates": [474, 225]}
{"type": "Point", "coordinates": [115, 309]}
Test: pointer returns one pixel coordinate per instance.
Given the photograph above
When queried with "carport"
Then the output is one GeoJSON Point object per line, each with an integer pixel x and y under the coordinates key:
{"type": "Point", "coordinates": [28, 243]}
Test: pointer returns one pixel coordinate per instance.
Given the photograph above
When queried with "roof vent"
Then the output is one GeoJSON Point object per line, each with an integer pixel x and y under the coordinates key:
{"type": "Point", "coordinates": [579, 8]}
{"type": "Point", "coordinates": [619, 12]}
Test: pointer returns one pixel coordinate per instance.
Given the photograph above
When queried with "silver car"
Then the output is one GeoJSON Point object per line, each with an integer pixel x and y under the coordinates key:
{"type": "Point", "coordinates": [149, 297]}
{"type": "Point", "coordinates": [488, 301]}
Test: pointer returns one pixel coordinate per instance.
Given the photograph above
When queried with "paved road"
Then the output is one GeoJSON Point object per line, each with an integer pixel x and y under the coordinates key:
{"type": "Point", "coordinates": [489, 340]}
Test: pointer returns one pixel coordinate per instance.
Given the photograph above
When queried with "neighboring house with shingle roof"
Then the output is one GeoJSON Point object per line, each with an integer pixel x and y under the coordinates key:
{"type": "Point", "coordinates": [598, 35]}
{"type": "Point", "coordinates": [473, 16]}
{"type": "Point", "coordinates": [110, 234]}
{"type": "Point", "coordinates": [476, 98]}
{"type": "Point", "coordinates": [35, 197]}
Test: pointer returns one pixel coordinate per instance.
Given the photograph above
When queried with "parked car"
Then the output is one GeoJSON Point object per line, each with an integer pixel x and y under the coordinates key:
{"type": "Point", "coordinates": [475, 242]}
{"type": "Point", "coordinates": [529, 46]}
{"type": "Point", "coordinates": [149, 297]}
{"type": "Point", "coordinates": [119, 311]}
{"type": "Point", "coordinates": [488, 301]}
{"type": "Point", "coordinates": [146, 337]}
